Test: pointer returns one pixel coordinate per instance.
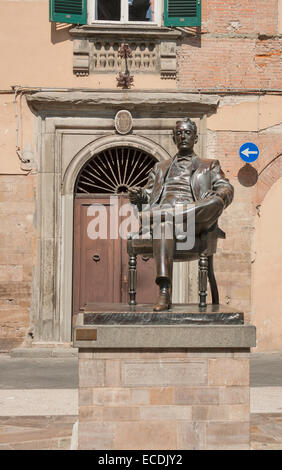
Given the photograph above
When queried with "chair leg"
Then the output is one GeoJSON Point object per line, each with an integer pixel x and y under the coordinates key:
{"type": "Point", "coordinates": [212, 281]}
{"type": "Point", "coordinates": [203, 280]}
{"type": "Point", "coordinates": [132, 279]}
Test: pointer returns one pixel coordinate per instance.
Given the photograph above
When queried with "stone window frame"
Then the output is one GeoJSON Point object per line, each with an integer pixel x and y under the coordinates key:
{"type": "Point", "coordinates": [159, 41]}
{"type": "Point", "coordinates": [165, 41]}
{"type": "Point", "coordinates": [158, 9]}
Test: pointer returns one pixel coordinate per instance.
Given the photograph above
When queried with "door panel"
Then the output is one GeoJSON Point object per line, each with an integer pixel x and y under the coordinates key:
{"type": "Point", "coordinates": [96, 261]}
{"type": "Point", "coordinates": [101, 265]}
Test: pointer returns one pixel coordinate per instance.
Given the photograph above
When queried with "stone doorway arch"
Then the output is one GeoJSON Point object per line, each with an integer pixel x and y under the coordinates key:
{"type": "Point", "coordinates": [71, 126]}
{"type": "Point", "coordinates": [143, 145]}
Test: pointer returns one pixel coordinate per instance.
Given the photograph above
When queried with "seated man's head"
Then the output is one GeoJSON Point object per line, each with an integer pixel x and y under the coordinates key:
{"type": "Point", "coordinates": [185, 134]}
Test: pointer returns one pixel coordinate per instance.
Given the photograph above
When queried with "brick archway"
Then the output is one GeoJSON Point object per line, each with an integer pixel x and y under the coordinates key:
{"type": "Point", "coordinates": [268, 176]}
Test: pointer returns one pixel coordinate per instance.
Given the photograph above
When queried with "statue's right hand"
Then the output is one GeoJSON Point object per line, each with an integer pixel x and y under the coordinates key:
{"type": "Point", "coordinates": [135, 194]}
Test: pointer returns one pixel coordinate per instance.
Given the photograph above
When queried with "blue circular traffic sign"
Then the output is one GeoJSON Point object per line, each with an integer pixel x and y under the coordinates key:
{"type": "Point", "coordinates": [249, 152]}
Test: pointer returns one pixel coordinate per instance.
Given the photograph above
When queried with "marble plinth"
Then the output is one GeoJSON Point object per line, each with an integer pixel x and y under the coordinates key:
{"type": "Point", "coordinates": [172, 380]}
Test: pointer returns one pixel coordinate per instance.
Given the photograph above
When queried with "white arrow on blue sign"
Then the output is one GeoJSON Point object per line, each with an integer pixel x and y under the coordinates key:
{"type": "Point", "coordinates": [249, 152]}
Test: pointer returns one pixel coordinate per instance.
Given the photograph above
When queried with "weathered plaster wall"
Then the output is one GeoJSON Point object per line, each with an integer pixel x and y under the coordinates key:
{"type": "Point", "coordinates": [238, 120]}
{"type": "Point", "coordinates": [38, 53]}
{"type": "Point", "coordinates": [9, 160]}
{"type": "Point", "coordinates": [17, 244]}
{"type": "Point", "coordinates": [280, 16]}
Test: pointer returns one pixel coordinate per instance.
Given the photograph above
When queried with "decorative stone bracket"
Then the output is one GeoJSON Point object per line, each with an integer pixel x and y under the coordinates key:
{"type": "Point", "coordinates": [81, 58]}
{"type": "Point", "coordinates": [168, 59]}
{"type": "Point", "coordinates": [95, 50]}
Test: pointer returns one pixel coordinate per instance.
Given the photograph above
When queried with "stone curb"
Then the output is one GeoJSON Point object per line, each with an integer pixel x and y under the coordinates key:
{"type": "Point", "coordinates": [44, 352]}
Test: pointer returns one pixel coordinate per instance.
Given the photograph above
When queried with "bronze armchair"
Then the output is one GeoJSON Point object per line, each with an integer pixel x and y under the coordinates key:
{"type": "Point", "coordinates": [203, 250]}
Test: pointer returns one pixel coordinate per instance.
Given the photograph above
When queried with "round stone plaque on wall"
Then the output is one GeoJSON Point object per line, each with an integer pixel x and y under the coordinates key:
{"type": "Point", "coordinates": [123, 121]}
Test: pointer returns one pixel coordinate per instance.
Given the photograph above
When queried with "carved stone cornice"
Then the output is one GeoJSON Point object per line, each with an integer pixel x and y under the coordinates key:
{"type": "Point", "coordinates": [156, 103]}
{"type": "Point", "coordinates": [123, 32]}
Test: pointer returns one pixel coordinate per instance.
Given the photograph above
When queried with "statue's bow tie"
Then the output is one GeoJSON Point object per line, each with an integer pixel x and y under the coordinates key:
{"type": "Point", "coordinates": [184, 159]}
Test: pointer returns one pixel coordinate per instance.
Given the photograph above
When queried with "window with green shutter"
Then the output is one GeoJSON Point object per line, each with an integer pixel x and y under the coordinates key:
{"type": "Point", "coordinates": [68, 11]}
{"type": "Point", "coordinates": [182, 13]}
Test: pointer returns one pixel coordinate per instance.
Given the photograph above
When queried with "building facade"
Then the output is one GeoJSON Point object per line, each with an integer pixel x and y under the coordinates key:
{"type": "Point", "coordinates": [217, 62]}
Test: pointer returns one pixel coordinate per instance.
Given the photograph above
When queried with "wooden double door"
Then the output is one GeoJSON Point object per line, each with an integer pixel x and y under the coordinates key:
{"type": "Point", "coordinates": [101, 264]}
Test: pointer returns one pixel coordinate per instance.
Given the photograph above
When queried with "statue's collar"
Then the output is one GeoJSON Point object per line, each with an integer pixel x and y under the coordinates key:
{"type": "Point", "coordinates": [193, 158]}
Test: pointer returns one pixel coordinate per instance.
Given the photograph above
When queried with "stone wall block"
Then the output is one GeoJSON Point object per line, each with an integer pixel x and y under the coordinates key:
{"type": "Point", "coordinates": [164, 412]}
{"type": "Point", "coordinates": [191, 436]}
{"type": "Point", "coordinates": [142, 435]}
{"type": "Point", "coordinates": [120, 396]}
{"type": "Point", "coordinates": [112, 374]}
{"type": "Point", "coordinates": [140, 396]}
{"type": "Point", "coordinates": [228, 372]}
{"type": "Point", "coordinates": [111, 396]}
{"type": "Point", "coordinates": [210, 413]}
{"type": "Point", "coordinates": [91, 373]}
{"type": "Point", "coordinates": [85, 396]}
{"type": "Point", "coordinates": [162, 396]}
{"type": "Point", "coordinates": [234, 395]}
{"type": "Point", "coordinates": [197, 396]}
{"type": "Point", "coordinates": [121, 413]}
{"type": "Point", "coordinates": [90, 413]}
{"type": "Point", "coordinates": [96, 436]}
{"type": "Point", "coordinates": [227, 436]}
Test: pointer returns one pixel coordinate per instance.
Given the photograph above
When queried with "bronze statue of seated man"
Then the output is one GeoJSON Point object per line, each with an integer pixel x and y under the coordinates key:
{"type": "Point", "coordinates": [197, 186]}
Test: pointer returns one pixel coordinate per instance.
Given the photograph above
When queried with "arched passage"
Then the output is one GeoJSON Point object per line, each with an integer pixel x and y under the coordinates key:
{"type": "Point", "coordinates": [268, 176]}
{"type": "Point", "coordinates": [267, 269]}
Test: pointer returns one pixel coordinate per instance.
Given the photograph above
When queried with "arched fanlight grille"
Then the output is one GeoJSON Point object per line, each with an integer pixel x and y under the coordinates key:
{"type": "Point", "coordinates": [115, 170]}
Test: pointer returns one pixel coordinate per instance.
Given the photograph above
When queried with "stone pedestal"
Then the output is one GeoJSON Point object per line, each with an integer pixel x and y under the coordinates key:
{"type": "Point", "coordinates": [167, 386]}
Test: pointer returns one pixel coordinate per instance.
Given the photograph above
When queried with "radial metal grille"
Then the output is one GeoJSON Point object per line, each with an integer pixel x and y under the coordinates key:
{"type": "Point", "coordinates": [114, 171]}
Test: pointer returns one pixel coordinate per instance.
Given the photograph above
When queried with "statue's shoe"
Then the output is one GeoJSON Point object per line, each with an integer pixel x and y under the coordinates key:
{"type": "Point", "coordinates": [163, 302]}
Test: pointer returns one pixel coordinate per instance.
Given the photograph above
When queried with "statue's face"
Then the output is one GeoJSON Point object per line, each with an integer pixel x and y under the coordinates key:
{"type": "Point", "coordinates": [184, 136]}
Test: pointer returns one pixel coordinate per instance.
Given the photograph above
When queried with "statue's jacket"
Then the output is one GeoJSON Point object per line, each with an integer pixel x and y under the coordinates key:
{"type": "Point", "coordinates": [206, 176]}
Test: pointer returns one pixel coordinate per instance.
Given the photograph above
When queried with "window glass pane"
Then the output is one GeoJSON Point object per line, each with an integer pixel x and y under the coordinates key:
{"type": "Point", "coordinates": [108, 10]}
{"type": "Point", "coordinates": [141, 10]}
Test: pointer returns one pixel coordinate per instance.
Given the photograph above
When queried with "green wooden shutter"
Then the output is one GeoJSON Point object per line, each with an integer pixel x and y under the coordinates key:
{"type": "Point", "coordinates": [182, 13]}
{"type": "Point", "coordinates": [68, 11]}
